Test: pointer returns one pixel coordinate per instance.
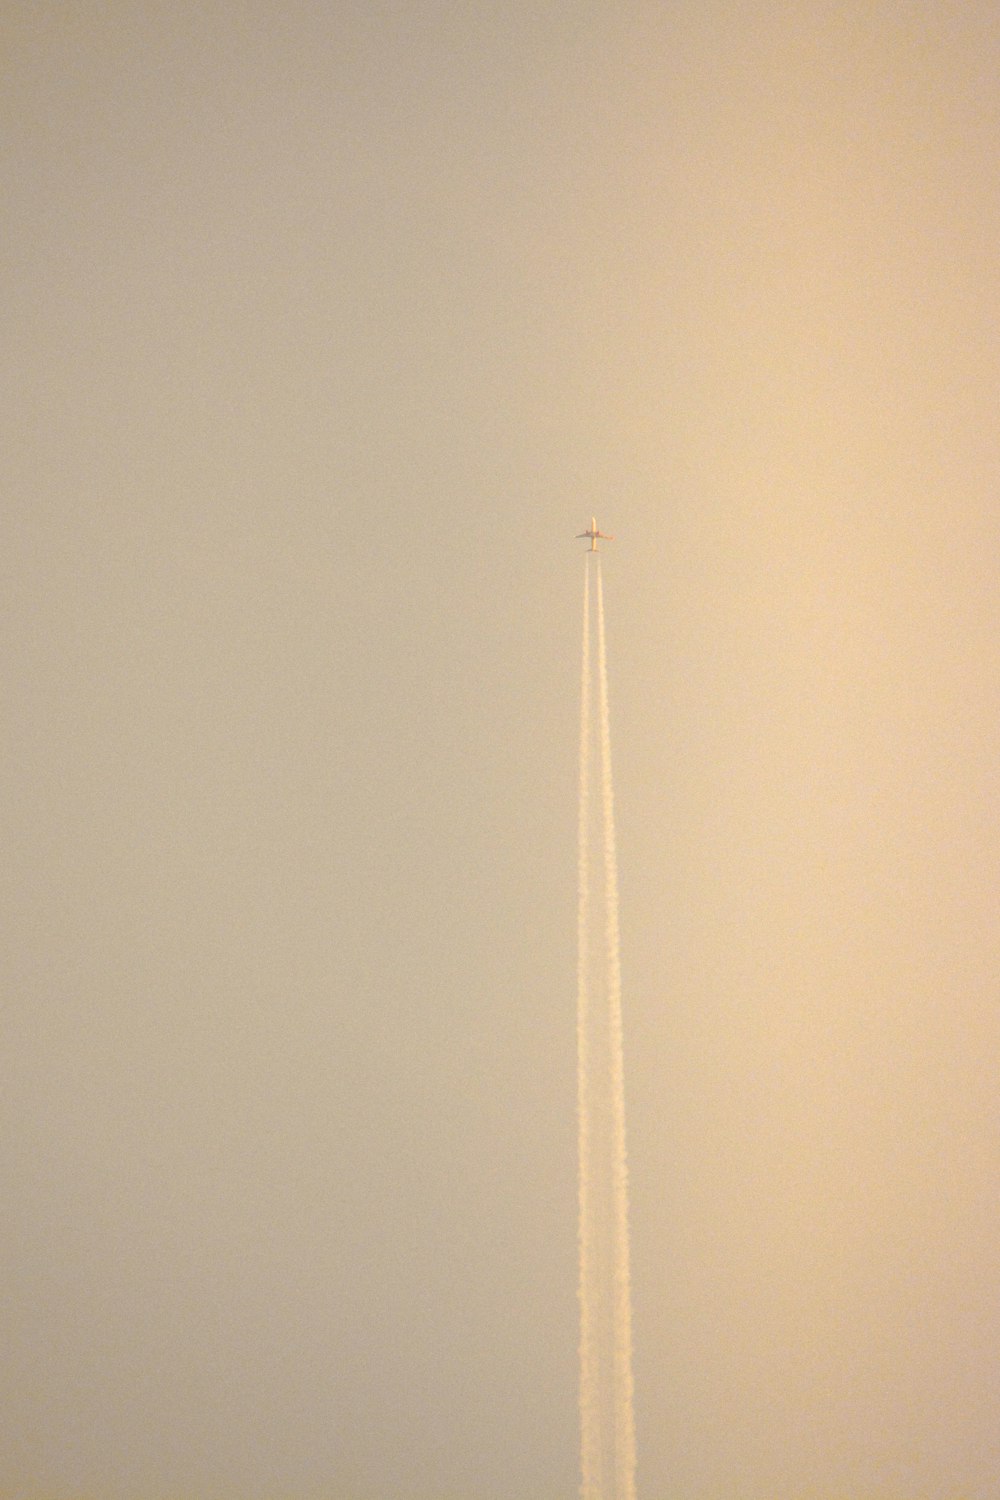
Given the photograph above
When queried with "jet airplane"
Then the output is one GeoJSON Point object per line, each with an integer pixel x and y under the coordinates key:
{"type": "Point", "coordinates": [593, 534]}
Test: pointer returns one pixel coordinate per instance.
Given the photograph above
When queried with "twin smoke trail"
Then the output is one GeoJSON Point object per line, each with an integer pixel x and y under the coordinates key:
{"type": "Point", "coordinates": [607, 1423]}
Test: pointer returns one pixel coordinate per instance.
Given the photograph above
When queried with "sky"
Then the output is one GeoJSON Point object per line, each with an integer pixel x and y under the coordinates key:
{"type": "Point", "coordinates": [326, 328]}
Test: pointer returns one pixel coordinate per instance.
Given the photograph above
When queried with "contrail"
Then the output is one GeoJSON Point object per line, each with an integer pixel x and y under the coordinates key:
{"type": "Point", "coordinates": [623, 1383]}
{"type": "Point", "coordinates": [590, 1432]}
{"type": "Point", "coordinates": [607, 1427]}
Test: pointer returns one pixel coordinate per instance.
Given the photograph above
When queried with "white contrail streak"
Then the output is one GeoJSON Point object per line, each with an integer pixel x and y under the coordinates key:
{"type": "Point", "coordinates": [590, 1433]}
{"type": "Point", "coordinates": [624, 1416]}
{"type": "Point", "coordinates": [607, 1425]}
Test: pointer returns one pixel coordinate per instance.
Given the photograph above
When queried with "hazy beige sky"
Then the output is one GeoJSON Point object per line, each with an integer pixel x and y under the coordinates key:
{"type": "Point", "coordinates": [326, 327]}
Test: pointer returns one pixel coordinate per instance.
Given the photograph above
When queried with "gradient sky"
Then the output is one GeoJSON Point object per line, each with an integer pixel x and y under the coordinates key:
{"type": "Point", "coordinates": [326, 327]}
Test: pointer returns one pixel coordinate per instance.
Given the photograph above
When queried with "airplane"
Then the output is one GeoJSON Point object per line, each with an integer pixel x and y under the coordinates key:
{"type": "Point", "coordinates": [593, 534]}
